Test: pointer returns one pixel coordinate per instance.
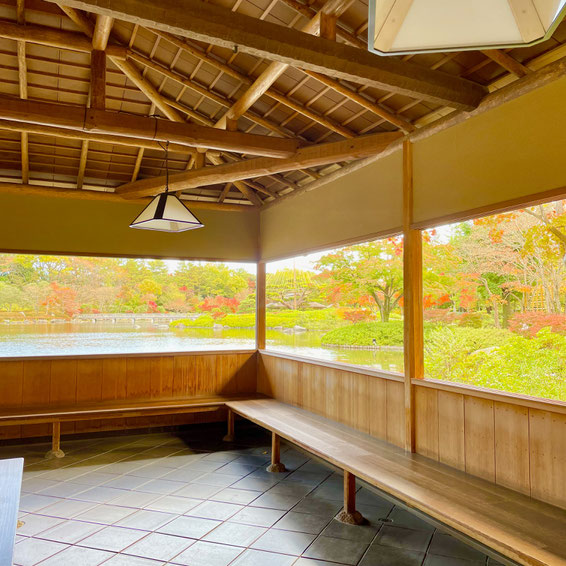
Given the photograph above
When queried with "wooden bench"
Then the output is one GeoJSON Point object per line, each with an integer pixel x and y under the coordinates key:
{"type": "Point", "coordinates": [112, 410]}
{"type": "Point", "coordinates": [10, 484]}
{"type": "Point", "coordinates": [525, 530]}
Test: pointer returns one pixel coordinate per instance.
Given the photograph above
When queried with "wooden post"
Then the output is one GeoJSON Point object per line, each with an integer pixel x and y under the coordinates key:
{"type": "Point", "coordinates": [328, 26]}
{"type": "Point", "coordinates": [276, 465]}
{"type": "Point", "coordinates": [98, 80]}
{"type": "Point", "coordinates": [260, 307]}
{"type": "Point", "coordinates": [55, 451]}
{"type": "Point", "coordinates": [412, 293]}
{"type": "Point", "coordinates": [230, 432]}
{"type": "Point", "coordinates": [349, 515]}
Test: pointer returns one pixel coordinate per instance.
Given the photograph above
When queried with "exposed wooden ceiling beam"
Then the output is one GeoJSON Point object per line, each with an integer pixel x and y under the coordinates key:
{"type": "Point", "coordinates": [311, 156]}
{"type": "Point", "coordinates": [54, 38]}
{"type": "Point", "coordinates": [12, 126]}
{"type": "Point", "coordinates": [507, 62]}
{"type": "Point", "coordinates": [115, 123]}
{"type": "Point", "coordinates": [217, 25]}
{"type": "Point", "coordinates": [102, 31]}
{"type": "Point", "coordinates": [87, 194]}
{"type": "Point", "coordinates": [274, 70]}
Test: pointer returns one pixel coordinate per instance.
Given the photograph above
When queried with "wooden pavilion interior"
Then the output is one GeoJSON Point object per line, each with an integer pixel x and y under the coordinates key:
{"type": "Point", "coordinates": [284, 136]}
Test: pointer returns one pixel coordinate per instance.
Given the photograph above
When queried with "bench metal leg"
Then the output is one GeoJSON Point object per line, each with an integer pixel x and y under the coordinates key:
{"type": "Point", "coordinates": [230, 433]}
{"type": "Point", "coordinates": [349, 515]}
{"type": "Point", "coordinates": [276, 465]}
{"type": "Point", "coordinates": [56, 451]}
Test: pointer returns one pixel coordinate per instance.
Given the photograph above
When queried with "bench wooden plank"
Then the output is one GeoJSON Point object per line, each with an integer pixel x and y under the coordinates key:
{"type": "Point", "coordinates": [10, 484]}
{"type": "Point", "coordinates": [523, 529]}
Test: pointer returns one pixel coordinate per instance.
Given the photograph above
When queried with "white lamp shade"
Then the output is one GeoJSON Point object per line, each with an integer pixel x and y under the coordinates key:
{"type": "Point", "coordinates": [398, 27]}
{"type": "Point", "coordinates": [166, 213]}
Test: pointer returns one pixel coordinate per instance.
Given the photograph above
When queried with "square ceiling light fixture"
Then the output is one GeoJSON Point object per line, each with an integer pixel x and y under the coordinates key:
{"type": "Point", "coordinates": [399, 27]}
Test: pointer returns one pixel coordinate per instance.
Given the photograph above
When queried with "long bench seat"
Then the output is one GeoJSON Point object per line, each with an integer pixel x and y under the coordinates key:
{"type": "Point", "coordinates": [523, 529]}
{"type": "Point", "coordinates": [111, 410]}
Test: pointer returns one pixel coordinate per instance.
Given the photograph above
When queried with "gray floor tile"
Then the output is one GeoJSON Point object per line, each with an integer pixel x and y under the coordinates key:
{"type": "Point", "coordinates": [303, 522]}
{"type": "Point", "coordinates": [313, 562]}
{"type": "Point", "coordinates": [135, 499]}
{"type": "Point", "coordinates": [378, 555]}
{"type": "Point", "coordinates": [128, 482]}
{"type": "Point", "coordinates": [215, 510]}
{"type": "Point", "coordinates": [70, 531]}
{"type": "Point", "coordinates": [258, 516]}
{"type": "Point", "coordinates": [208, 554]}
{"type": "Point", "coordinates": [34, 524]}
{"type": "Point", "coordinates": [33, 502]}
{"type": "Point", "coordinates": [158, 546]}
{"type": "Point", "coordinates": [401, 537]}
{"type": "Point", "coordinates": [190, 527]}
{"type": "Point", "coordinates": [125, 560]}
{"type": "Point", "coordinates": [254, 484]}
{"type": "Point", "coordinates": [291, 488]}
{"type": "Point", "coordinates": [79, 556]}
{"type": "Point", "coordinates": [146, 520]}
{"type": "Point", "coordinates": [362, 533]}
{"type": "Point", "coordinates": [436, 560]}
{"type": "Point", "coordinates": [160, 486]}
{"type": "Point", "coordinates": [318, 507]}
{"type": "Point", "coordinates": [31, 551]}
{"type": "Point", "coordinates": [196, 491]}
{"type": "Point", "coordinates": [114, 539]}
{"type": "Point", "coordinates": [67, 508]}
{"type": "Point", "coordinates": [105, 514]}
{"type": "Point", "coordinates": [286, 542]}
{"type": "Point", "coordinates": [262, 558]}
{"type": "Point", "coordinates": [336, 550]}
{"type": "Point", "coordinates": [235, 534]}
{"type": "Point", "coordinates": [65, 489]}
{"type": "Point", "coordinates": [308, 478]}
{"type": "Point", "coordinates": [218, 479]}
{"type": "Point", "coordinates": [100, 494]}
{"type": "Point", "coordinates": [239, 496]}
{"type": "Point", "coordinates": [402, 518]}
{"type": "Point", "coordinates": [174, 504]}
{"type": "Point", "coordinates": [446, 545]}
{"type": "Point", "coordinates": [277, 501]}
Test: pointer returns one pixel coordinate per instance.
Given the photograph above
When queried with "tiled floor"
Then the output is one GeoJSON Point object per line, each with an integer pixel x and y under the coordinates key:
{"type": "Point", "coordinates": [164, 499]}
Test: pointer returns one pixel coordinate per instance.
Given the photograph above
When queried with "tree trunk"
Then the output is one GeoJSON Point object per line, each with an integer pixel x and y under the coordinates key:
{"type": "Point", "coordinates": [495, 306]}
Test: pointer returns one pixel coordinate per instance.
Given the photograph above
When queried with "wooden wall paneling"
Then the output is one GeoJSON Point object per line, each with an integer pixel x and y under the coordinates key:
{"type": "Point", "coordinates": [113, 387]}
{"type": "Point", "coordinates": [395, 410]}
{"type": "Point", "coordinates": [138, 378]}
{"type": "Point", "coordinates": [11, 393]}
{"type": "Point", "coordinates": [36, 385]}
{"type": "Point", "coordinates": [246, 377]}
{"type": "Point", "coordinates": [181, 376]}
{"type": "Point", "coordinates": [479, 433]}
{"type": "Point", "coordinates": [548, 456]}
{"type": "Point", "coordinates": [264, 384]}
{"type": "Point", "coordinates": [89, 389]}
{"type": "Point", "coordinates": [314, 381]}
{"type": "Point", "coordinates": [377, 402]}
{"type": "Point", "coordinates": [161, 372]}
{"type": "Point", "coordinates": [451, 442]}
{"type": "Point", "coordinates": [292, 386]}
{"type": "Point", "coordinates": [512, 460]}
{"type": "Point", "coordinates": [204, 378]}
{"type": "Point", "coordinates": [63, 387]}
{"type": "Point", "coordinates": [333, 399]}
{"type": "Point", "coordinates": [426, 422]}
{"type": "Point", "coordinates": [360, 401]}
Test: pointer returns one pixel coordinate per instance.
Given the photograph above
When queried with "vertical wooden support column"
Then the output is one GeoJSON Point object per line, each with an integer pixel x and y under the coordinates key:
{"type": "Point", "coordinates": [328, 26]}
{"type": "Point", "coordinates": [98, 80]}
{"type": "Point", "coordinates": [230, 432]}
{"type": "Point", "coordinates": [276, 465]}
{"type": "Point", "coordinates": [55, 451]}
{"type": "Point", "coordinates": [412, 292]}
{"type": "Point", "coordinates": [260, 306]}
{"type": "Point", "coordinates": [349, 515]}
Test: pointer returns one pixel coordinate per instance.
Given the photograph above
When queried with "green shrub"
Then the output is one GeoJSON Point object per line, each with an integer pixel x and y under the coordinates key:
{"type": "Point", "coordinates": [385, 334]}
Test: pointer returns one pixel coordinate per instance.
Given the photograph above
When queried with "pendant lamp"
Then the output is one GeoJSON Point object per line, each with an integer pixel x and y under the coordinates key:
{"type": "Point", "coordinates": [400, 27]}
{"type": "Point", "coordinates": [166, 212]}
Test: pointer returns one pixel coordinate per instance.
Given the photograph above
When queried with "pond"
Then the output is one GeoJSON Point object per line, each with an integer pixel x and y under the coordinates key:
{"type": "Point", "coordinates": [72, 338]}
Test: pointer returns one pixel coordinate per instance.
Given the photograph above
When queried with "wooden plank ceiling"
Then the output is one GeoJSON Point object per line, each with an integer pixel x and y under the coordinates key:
{"type": "Point", "coordinates": [55, 56]}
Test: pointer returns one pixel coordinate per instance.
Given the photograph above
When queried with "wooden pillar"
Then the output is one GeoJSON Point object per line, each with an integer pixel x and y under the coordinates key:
{"type": "Point", "coordinates": [349, 515]}
{"type": "Point", "coordinates": [98, 80]}
{"type": "Point", "coordinates": [328, 26]}
{"type": "Point", "coordinates": [276, 465]}
{"type": "Point", "coordinates": [55, 451]}
{"type": "Point", "coordinates": [413, 298]}
{"type": "Point", "coordinates": [230, 431]}
{"type": "Point", "coordinates": [260, 307]}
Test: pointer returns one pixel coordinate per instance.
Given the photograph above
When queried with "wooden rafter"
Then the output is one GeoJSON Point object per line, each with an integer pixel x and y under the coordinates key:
{"type": "Point", "coordinates": [214, 24]}
{"type": "Point", "coordinates": [113, 123]}
{"type": "Point", "coordinates": [311, 156]}
{"type": "Point", "coordinates": [23, 80]}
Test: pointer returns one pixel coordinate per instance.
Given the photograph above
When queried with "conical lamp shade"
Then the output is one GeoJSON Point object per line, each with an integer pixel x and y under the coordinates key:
{"type": "Point", "coordinates": [166, 213]}
{"type": "Point", "coordinates": [398, 27]}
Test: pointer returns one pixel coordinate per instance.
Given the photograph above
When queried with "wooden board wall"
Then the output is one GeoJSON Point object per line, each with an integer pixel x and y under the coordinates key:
{"type": "Point", "coordinates": [75, 380]}
{"type": "Point", "coordinates": [495, 436]}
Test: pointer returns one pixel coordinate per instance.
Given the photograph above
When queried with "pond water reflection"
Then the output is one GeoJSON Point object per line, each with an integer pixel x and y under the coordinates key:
{"type": "Point", "coordinates": [47, 339]}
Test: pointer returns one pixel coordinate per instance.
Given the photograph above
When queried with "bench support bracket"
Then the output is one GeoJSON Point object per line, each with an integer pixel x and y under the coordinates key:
{"type": "Point", "coordinates": [230, 432]}
{"type": "Point", "coordinates": [276, 465]}
{"type": "Point", "coordinates": [349, 514]}
{"type": "Point", "coordinates": [55, 451]}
